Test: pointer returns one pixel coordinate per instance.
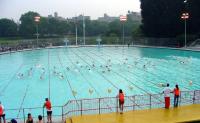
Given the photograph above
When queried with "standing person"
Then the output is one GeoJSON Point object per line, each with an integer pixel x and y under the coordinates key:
{"type": "Point", "coordinates": [29, 119]}
{"type": "Point", "coordinates": [2, 114]}
{"type": "Point", "coordinates": [121, 100]}
{"type": "Point", "coordinates": [40, 119]}
{"type": "Point", "coordinates": [13, 121]}
{"type": "Point", "coordinates": [167, 92]}
{"type": "Point", "coordinates": [47, 104]}
{"type": "Point", "coordinates": [176, 95]}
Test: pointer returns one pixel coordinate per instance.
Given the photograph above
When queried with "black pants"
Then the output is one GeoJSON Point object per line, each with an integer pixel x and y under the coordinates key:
{"type": "Point", "coordinates": [176, 98]}
{"type": "Point", "coordinates": [3, 116]}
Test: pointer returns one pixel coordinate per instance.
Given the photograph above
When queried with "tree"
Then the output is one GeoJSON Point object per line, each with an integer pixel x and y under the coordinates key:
{"type": "Point", "coordinates": [7, 28]}
{"type": "Point", "coordinates": [28, 25]}
{"type": "Point", "coordinates": [193, 7]}
{"type": "Point", "coordinates": [161, 18]}
{"type": "Point", "coordinates": [114, 28]}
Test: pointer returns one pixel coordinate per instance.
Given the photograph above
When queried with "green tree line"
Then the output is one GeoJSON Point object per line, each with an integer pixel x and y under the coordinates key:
{"type": "Point", "coordinates": [51, 26]}
{"type": "Point", "coordinates": [162, 18]}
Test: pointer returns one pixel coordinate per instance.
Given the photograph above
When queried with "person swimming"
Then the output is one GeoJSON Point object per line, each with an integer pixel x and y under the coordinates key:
{"type": "Point", "coordinates": [20, 75]}
{"type": "Point", "coordinates": [68, 68]}
{"type": "Point", "coordinates": [41, 77]}
{"type": "Point", "coordinates": [190, 82]}
{"type": "Point", "coordinates": [61, 77]}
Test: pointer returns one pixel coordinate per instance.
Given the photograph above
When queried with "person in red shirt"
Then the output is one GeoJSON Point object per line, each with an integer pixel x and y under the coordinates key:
{"type": "Point", "coordinates": [47, 105]}
{"type": "Point", "coordinates": [2, 114]}
{"type": "Point", "coordinates": [121, 100]}
{"type": "Point", "coordinates": [176, 95]}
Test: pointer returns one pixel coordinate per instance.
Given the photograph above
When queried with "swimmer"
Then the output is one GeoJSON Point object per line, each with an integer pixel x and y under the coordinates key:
{"type": "Point", "coordinates": [144, 66]}
{"type": "Point", "coordinates": [29, 73]}
{"type": "Point", "coordinates": [190, 82]}
{"type": "Point", "coordinates": [38, 65]}
{"type": "Point", "coordinates": [20, 75]}
{"type": "Point", "coordinates": [182, 62]}
{"type": "Point", "coordinates": [103, 71]}
{"type": "Point", "coordinates": [68, 68]}
{"type": "Point", "coordinates": [93, 65]}
{"type": "Point", "coordinates": [41, 77]}
{"type": "Point", "coordinates": [54, 72]}
{"type": "Point", "coordinates": [109, 69]}
{"type": "Point", "coordinates": [61, 77]}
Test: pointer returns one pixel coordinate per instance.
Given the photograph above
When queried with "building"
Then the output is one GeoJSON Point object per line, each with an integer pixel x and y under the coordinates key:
{"type": "Point", "coordinates": [80, 17]}
{"type": "Point", "coordinates": [107, 18]}
{"type": "Point", "coordinates": [134, 16]}
{"type": "Point", "coordinates": [57, 17]}
{"type": "Point", "coordinates": [55, 14]}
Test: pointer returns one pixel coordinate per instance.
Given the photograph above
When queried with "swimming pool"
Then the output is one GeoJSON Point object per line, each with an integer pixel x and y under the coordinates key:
{"type": "Point", "coordinates": [27, 78]}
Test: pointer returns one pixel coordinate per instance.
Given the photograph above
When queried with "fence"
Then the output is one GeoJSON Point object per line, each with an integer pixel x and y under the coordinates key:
{"type": "Point", "coordinates": [136, 102]}
{"type": "Point", "coordinates": [21, 114]}
{"type": "Point", "coordinates": [105, 105]}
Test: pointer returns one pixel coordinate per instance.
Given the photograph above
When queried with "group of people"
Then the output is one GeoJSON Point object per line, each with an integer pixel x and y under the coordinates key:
{"type": "Point", "coordinates": [166, 93]}
{"type": "Point", "coordinates": [46, 105]}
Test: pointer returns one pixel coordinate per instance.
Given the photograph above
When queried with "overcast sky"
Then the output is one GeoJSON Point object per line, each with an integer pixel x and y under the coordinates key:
{"type": "Point", "coordinates": [13, 9]}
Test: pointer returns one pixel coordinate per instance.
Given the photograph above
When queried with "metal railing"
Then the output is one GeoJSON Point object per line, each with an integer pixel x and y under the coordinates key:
{"type": "Point", "coordinates": [105, 105]}
{"type": "Point", "coordinates": [21, 114]}
{"type": "Point", "coordinates": [136, 102]}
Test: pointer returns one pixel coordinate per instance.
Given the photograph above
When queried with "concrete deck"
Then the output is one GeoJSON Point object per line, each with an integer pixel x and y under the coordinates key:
{"type": "Point", "coordinates": [172, 115]}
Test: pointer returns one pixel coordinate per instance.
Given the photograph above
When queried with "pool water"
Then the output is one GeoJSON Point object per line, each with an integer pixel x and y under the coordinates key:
{"type": "Point", "coordinates": [27, 78]}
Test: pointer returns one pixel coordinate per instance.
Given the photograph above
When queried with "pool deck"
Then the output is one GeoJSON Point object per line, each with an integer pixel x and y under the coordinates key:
{"type": "Point", "coordinates": [172, 115]}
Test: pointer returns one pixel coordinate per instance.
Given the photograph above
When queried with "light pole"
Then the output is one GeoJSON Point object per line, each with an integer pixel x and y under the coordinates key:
{"type": "Point", "coordinates": [123, 19]}
{"type": "Point", "coordinates": [76, 30]}
{"type": "Point", "coordinates": [37, 20]}
{"type": "Point", "coordinates": [83, 29]}
{"type": "Point", "coordinates": [185, 16]}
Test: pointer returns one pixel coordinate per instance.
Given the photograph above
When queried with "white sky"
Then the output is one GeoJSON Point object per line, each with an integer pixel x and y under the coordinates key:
{"type": "Point", "coordinates": [13, 9]}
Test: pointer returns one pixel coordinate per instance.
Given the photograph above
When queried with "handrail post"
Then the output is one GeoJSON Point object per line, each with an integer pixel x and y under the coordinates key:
{"type": "Point", "coordinates": [133, 102]}
{"type": "Point", "coordinates": [43, 115]}
{"type": "Point", "coordinates": [194, 94]}
{"type": "Point", "coordinates": [81, 107]}
{"type": "Point", "coordinates": [117, 103]}
{"type": "Point", "coordinates": [180, 99]}
{"type": "Point", "coordinates": [62, 114]}
{"type": "Point", "coordinates": [150, 101]}
{"type": "Point", "coordinates": [24, 115]}
{"type": "Point", "coordinates": [99, 106]}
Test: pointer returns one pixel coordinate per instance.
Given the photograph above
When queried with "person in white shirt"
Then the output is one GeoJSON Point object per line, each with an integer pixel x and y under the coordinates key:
{"type": "Point", "coordinates": [2, 114]}
{"type": "Point", "coordinates": [167, 92]}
